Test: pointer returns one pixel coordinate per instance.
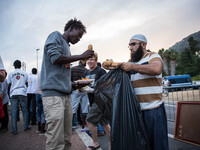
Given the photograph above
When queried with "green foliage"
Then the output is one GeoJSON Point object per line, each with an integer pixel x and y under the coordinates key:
{"type": "Point", "coordinates": [164, 73]}
{"type": "Point", "coordinates": [166, 54]}
{"type": "Point", "coordinates": [173, 54]}
{"type": "Point", "coordinates": [197, 77]}
{"type": "Point", "coordinates": [188, 63]}
{"type": "Point", "coordinates": [160, 52]}
{"type": "Point", "coordinates": [193, 45]}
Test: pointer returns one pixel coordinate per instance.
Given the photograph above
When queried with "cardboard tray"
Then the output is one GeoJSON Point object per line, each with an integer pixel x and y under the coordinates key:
{"type": "Point", "coordinates": [187, 123]}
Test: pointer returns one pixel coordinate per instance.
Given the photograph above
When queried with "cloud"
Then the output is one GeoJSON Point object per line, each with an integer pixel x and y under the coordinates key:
{"type": "Point", "coordinates": [25, 25]}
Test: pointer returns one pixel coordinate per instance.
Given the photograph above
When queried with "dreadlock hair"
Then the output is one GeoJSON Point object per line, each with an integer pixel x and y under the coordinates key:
{"type": "Point", "coordinates": [76, 24]}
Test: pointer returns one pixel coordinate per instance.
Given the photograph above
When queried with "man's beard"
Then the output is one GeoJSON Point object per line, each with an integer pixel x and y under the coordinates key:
{"type": "Point", "coordinates": [135, 57]}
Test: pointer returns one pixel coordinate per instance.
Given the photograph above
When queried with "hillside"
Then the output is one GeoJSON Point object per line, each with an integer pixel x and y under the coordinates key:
{"type": "Point", "coordinates": [180, 46]}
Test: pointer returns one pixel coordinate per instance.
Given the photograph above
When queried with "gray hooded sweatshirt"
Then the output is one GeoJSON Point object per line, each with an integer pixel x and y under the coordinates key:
{"type": "Point", "coordinates": [55, 79]}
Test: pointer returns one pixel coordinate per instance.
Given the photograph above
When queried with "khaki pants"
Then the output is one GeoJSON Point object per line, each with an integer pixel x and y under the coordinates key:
{"type": "Point", "coordinates": [58, 115]}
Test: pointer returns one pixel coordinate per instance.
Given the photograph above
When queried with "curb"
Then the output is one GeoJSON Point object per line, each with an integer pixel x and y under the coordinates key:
{"type": "Point", "coordinates": [87, 140]}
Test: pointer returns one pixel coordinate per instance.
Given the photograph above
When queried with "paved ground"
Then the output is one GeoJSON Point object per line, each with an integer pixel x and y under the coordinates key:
{"type": "Point", "coordinates": [32, 140]}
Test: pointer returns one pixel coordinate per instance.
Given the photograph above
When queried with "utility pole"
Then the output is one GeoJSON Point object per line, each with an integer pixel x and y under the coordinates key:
{"type": "Point", "coordinates": [37, 57]}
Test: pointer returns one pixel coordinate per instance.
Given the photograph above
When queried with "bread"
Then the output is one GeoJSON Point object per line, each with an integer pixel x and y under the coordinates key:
{"type": "Point", "coordinates": [114, 64]}
{"type": "Point", "coordinates": [107, 63]}
{"type": "Point", "coordinates": [90, 47]}
{"type": "Point", "coordinates": [110, 63]}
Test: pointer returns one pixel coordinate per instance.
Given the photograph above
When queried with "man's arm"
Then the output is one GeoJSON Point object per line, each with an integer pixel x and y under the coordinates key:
{"type": "Point", "coordinates": [168, 83]}
{"type": "Point", "coordinates": [68, 59]}
{"type": "Point", "coordinates": [154, 68]}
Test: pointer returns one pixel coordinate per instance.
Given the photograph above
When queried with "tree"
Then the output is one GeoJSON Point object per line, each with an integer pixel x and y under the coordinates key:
{"type": "Point", "coordinates": [193, 46]}
{"type": "Point", "coordinates": [166, 60]}
{"type": "Point", "coordinates": [188, 63]}
{"type": "Point", "coordinates": [160, 52]}
{"type": "Point", "coordinates": [172, 54]}
{"type": "Point", "coordinates": [165, 63]}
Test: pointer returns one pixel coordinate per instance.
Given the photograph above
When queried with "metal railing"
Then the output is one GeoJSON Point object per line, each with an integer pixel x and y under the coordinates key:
{"type": "Point", "coordinates": [172, 95]}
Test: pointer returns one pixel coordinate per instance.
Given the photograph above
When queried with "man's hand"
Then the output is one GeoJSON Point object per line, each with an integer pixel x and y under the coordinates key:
{"type": "Point", "coordinates": [110, 67]}
{"type": "Point", "coordinates": [87, 54]}
{"type": "Point", "coordinates": [126, 66]}
{"type": "Point", "coordinates": [76, 85]}
{"type": "Point", "coordinates": [2, 75]}
{"type": "Point", "coordinates": [154, 68]}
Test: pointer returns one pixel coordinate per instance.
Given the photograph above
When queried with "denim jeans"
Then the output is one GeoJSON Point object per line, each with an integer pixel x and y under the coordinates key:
{"type": "Point", "coordinates": [31, 106]}
{"type": "Point", "coordinates": [74, 120]}
{"type": "Point", "coordinates": [156, 126]}
{"type": "Point", "coordinates": [40, 112]}
{"type": "Point", "coordinates": [15, 99]}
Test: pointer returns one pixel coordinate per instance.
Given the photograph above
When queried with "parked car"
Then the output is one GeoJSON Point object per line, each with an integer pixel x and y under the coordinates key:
{"type": "Point", "coordinates": [196, 84]}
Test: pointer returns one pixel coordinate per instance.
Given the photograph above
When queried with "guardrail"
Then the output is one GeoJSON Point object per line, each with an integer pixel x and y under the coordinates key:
{"type": "Point", "coordinates": [171, 95]}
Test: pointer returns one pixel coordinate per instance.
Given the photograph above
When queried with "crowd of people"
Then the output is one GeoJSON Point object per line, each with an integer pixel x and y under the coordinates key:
{"type": "Point", "coordinates": [51, 99]}
{"type": "Point", "coordinates": [20, 89]}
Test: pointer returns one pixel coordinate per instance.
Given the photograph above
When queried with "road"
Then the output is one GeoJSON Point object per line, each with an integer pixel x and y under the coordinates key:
{"type": "Point", "coordinates": [173, 143]}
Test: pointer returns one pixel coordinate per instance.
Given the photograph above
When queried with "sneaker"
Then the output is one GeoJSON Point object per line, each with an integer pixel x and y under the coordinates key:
{"type": "Point", "coordinates": [73, 127]}
{"type": "Point", "coordinates": [84, 129]}
{"type": "Point", "coordinates": [42, 132]}
{"type": "Point", "coordinates": [27, 129]}
{"type": "Point", "coordinates": [4, 130]}
{"type": "Point", "coordinates": [88, 132]}
{"type": "Point", "coordinates": [14, 133]}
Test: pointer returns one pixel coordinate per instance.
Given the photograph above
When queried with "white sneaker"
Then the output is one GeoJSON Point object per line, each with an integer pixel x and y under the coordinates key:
{"type": "Point", "coordinates": [73, 127]}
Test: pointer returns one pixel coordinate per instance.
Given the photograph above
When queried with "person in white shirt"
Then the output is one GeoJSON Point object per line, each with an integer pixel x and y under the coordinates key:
{"type": "Point", "coordinates": [166, 83]}
{"type": "Point", "coordinates": [18, 82]}
{"type": "Point", "coordinates": [31, 96]}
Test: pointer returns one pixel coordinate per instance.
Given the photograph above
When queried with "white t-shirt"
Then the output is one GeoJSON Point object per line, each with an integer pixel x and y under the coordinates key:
{"type": "Point", "coordinates": [165, 83]}
{"type": "Point", "coordinates": [32, 84]}
{"type": "Point", "coordinates": [18, 79]}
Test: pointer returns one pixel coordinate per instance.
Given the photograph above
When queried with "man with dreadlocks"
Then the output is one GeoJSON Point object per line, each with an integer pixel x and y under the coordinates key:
{"type": "Point", "coordinates": [56, 84]}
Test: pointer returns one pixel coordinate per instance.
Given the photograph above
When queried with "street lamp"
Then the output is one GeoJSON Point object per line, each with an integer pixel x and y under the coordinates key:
{"type": "Point", "coordinates": [37, 57]}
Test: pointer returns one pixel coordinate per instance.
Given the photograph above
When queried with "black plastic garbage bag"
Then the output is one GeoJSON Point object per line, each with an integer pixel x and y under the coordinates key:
{"type": "Point", "coordinates": [115, 92]}
{"type": "Point", "coordinates": [105, 90]}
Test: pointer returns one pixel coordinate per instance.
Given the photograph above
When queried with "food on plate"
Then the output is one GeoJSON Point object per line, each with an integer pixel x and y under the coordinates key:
{"type": "Point", "coordinates": [84, 81]}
